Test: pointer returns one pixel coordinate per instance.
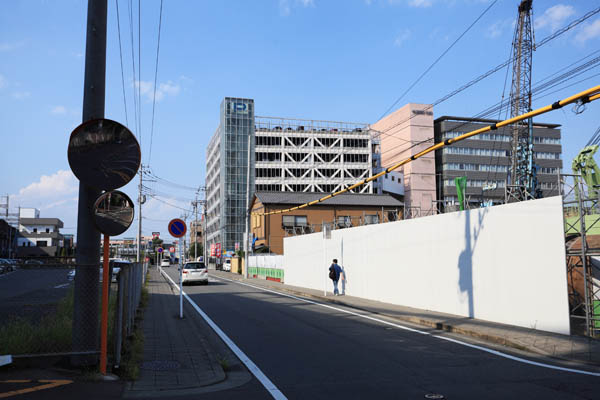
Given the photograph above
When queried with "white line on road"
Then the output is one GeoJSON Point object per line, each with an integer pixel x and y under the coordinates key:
{"type": "Point", "coordinates": [266, 382]}
{"type": "Point", "coordinates": [64, 285]}
{"type": "Point", "coordinates": [495, 352]}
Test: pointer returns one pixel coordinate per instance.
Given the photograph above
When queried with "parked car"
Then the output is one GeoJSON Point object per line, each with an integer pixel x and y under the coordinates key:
{"type": "Point", "coordinates": [165, 262]}
{"type": "Point", "coordinates": [194, 272]}
{"type": "Point", "coordinates": [227, 265]}
{"type": "Point", "coordinates": [33, 262]}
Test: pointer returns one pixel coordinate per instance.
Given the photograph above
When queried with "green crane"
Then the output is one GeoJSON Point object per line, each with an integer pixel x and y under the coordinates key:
{"type": "Point", "coordinates": [585, 166]}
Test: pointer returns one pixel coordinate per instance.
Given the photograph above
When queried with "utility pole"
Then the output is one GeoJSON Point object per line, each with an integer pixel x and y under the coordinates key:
{"type": "Point", "coordinates": [141, 201]}
{"type": "Point", "coordinates": [86, 298]}
{"type": "Point", "coordinates": [246, 232]}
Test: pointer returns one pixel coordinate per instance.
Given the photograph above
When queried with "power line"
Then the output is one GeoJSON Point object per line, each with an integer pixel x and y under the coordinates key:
{"type": "Point", "coordinates": [155, 80]}
{"type": "Point", "coordinates": [135, 107]}
{"type": "Point", "coordinates": [499, 67]}
{"type": "Point", "coordinates": [438, 59]}
{"type": "Point", "coordinates": [121, 57]}
{"type": "Point", "coordinates": [169, 204]}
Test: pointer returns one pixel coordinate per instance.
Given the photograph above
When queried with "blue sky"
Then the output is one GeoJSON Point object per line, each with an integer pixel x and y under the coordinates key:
{"type": "Point", "coordinates": [332, 60]}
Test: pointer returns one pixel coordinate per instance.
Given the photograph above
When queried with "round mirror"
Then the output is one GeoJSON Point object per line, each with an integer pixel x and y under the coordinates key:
{"type": "Point", "coordinates": [113, 213]}
{"type": "Point", "coordinates": [104, 154]}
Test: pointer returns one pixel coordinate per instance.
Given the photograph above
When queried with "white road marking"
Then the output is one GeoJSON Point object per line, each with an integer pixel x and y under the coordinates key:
{"type": "Point", "coordinates": [495, 352]}
{"type": "Point", "coordinates": [266, 382]}
{"type": "Point", "coordinates": [64, 285]}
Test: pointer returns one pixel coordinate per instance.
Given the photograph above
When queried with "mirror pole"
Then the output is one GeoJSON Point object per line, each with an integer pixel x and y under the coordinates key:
{"type": "Point", "coordinates": [85, 326]}
{"type": "Point", "coordinates": [104, 323]}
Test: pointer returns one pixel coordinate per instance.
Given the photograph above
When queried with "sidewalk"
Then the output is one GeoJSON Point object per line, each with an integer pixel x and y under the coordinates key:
{"type": "Point", "coordinates": [177, 358]}
{"type": "Point", "coordinates": [576, 349]}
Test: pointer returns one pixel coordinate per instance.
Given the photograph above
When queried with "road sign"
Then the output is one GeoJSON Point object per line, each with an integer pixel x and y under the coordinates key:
{"type": "Point", "coordinates": [155, 235]}
{"type": "Point", "coordinates": [177, 228]}
{"type": "Point", "coordinates": [159, 249]}
{"type": "Point", "coordinates": [172, 249]}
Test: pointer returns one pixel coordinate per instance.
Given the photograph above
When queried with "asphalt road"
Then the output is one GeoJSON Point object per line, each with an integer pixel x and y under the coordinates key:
{"type": "Point", "coordinates": [31, 292]}
{"type": "Point", "coordinates": [310, 351]}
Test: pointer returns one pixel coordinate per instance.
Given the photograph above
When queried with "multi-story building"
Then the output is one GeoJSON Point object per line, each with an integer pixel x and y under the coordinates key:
{"type": "Point", "coordinates": [226, 173]}
{"type": "Point", "coordinates": [294, 155]}
{"type": "Point", "coordinates": [38, 236]}
{"type": "Point", "coordinates": [404, 133]}
{"type": "Point", "coordinates": [485, 159]}
{"type": "Point", "coordinates": [286, 155]}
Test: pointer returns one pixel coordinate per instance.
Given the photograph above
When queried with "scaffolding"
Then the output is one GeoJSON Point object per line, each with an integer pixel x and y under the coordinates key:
{"type": "Point", "coordinates": [582, 241]}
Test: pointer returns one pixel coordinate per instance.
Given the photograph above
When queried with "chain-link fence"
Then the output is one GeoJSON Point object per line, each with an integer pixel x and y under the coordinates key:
{"type": "Point", "coordinates": [39, 303]}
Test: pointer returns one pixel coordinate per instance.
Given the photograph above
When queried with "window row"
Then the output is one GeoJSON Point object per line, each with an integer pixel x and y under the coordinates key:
{"type": "Point", "coordinates": [547, 155]}
{"type": "Point", "coordinates": [475, 167]}
{"type": "Point", "coordinates": [475, 152]}
{"type": "Point", "coordinates": [476, 183]}
{"type": "Point", "coordinates": [494, 137]}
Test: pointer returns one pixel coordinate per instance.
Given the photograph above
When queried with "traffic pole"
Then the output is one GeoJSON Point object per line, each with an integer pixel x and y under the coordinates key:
{"type": "Point", "coordinates": [180, 283]}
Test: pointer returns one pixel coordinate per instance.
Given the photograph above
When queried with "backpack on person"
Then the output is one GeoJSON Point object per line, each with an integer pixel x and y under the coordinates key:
{"type": "Point", "coordinates": [332, 274]}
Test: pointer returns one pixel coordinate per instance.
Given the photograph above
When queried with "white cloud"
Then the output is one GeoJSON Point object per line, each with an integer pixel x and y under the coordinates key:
{"type": "Point", "coordinates": [588, 31]}
{"type": "Point", "coordinates": [50, 188]}
{"type": "Point", "coordinates": [402, 37]}
{"type": "Point", "coordinates": [59, 110]}
{"type": "Point", "coordinates": [21, 95]}
{"type": "Point", "coordinates": [147, 89]}
{"type": "Point", "coordinates": [554, 17]}
{"type": "Point", "coordinates": [11, 46]}
{"type": "Point", "coordinates": [420, 3]}
{"type": "Point", "coordinates": [285, 6]}
{"type": "Point", "coordinates": [498, 28]}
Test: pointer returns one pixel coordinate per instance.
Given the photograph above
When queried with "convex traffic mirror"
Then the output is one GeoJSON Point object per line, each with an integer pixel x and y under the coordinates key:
{"type": "Point", "coordinates": [104, 154]}
{"type": "Point", "coordinates": [113, 213]}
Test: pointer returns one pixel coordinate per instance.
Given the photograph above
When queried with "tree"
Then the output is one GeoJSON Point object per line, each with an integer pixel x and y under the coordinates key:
{"type": "Point", "coordinates": [199, 250]}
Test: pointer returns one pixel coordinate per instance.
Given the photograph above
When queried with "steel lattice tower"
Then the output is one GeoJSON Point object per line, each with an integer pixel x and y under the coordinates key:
{"type": "Point", "coordinates": [522, 171]}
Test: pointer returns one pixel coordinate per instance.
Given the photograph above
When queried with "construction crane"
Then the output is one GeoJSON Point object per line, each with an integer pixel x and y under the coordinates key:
{"type": "Point", "coordinates": [522, 175]}
{"type": "Point", "coordinates": [585, 166]}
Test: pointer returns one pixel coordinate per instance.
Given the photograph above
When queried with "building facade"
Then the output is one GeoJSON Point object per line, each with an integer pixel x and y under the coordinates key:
{"type": "Point", "coordinates": [39, 237]}
{"type": "Point", "coordinates": [286, 155]}
{"type": "Point", "coordinates": [485, 159]}
{"type": "Point", "coordinates": [341, 211]}
{"type": "Point", "coordinates": [294, 155]}
{"type": "Point", "coordinates": [402, 134]}
{"type": "Point", "coordinates": [226, 173]}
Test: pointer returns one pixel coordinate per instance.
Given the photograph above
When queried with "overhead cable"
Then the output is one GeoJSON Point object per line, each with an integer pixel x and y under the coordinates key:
{"type": "Point", "coordinates": [586, 96]}
{"type": "Point", "coordinates": [155, 80]}
{"type": "Point", "coordinates": [438, 59]}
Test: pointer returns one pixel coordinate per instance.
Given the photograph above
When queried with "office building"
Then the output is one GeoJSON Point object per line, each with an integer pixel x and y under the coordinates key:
{"type": "Point", "coordinates": [485, 159]}
{"type": "Point", "coordinates": [226, 168]}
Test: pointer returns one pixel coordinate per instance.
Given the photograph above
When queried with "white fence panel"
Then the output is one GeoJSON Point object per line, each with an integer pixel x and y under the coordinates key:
{"type": "Point", "coordinates": [266, 261]}
{"type": "Point", "coordinates": [504, 264]}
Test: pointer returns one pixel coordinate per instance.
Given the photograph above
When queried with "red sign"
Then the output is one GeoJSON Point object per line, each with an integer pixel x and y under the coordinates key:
{"type": "Point", "coordinates": [155, 235]}
{"type": "Point", "coordinates": [172, 249]}
{"type": "Point", "coordinates": [218, 249]}
{"type": "Point", "coordinates": [212, 250]}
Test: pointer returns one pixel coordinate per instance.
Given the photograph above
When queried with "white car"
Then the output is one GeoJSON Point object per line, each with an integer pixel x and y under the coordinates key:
{"type": "Point", "coordinates": [227, 265]}
{"type": "Point", "coordinates": [165, 262]}
{"type": "Point", "coordinates": [194, 272]}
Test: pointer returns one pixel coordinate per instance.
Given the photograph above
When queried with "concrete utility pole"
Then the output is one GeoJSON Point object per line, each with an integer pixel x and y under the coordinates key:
{"type": "Point", "coordinates": [246, 232]}
{"type": "Point", "coordinates": [86, 299]}
{"type": "Point", "coordinates": [140, 202]}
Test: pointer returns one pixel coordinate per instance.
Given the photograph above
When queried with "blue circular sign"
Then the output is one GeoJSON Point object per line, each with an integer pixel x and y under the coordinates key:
{"type": "Point", "coordinates": [160, 249]}
{"type": "Point", "coordinates": [177, 228]}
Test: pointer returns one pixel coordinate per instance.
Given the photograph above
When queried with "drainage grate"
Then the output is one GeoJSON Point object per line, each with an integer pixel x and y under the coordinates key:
{"type": "Point", "coordinates": [160, 365]}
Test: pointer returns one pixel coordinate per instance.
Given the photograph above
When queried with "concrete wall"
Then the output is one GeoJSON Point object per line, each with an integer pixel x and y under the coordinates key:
{"type": "Point", "coordinates": [504, 264]}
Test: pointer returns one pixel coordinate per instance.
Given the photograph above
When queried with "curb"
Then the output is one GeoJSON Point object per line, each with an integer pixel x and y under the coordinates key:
{"type": "Point", "coordinates": [441, 326]}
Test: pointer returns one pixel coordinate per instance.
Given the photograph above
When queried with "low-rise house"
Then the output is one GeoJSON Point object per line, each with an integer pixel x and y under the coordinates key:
{"type": "Point", "coordinates": [341, 211]}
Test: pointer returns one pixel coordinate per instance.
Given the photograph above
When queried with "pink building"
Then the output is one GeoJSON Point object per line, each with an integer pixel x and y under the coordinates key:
{"type": "Point", "coordinates": [403, 133]}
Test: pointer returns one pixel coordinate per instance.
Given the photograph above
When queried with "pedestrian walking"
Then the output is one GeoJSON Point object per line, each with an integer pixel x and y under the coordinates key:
{"type": "Point", "coordinates": [335, 272]}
